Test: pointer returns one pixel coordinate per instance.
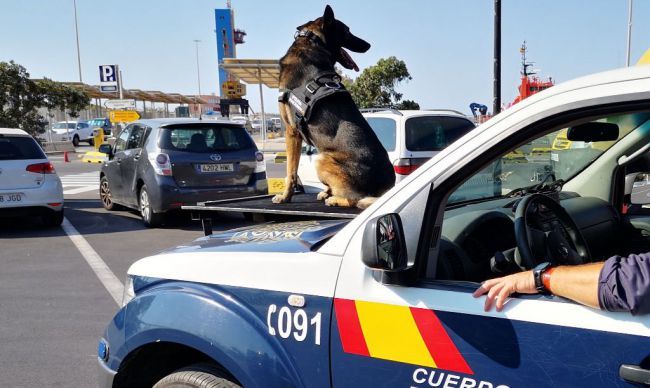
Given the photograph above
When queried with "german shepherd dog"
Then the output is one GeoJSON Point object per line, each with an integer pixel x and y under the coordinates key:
{"type": "Point", "coordinates": [352, 163]}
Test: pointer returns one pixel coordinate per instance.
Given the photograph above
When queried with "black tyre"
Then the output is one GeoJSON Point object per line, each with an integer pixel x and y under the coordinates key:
{"type": "Point", "coordinates": [196, 376]}
{"type": "Point", "coordinates": [91, 142]}
{"type": "Point", "coordinates": [105, 195]}
{"type": "Point", "coordinates": [75, 141]}
{"type": "Point", "coordinates": [149, 217]}
{"type": "Point", "coordinates": [52, 220]}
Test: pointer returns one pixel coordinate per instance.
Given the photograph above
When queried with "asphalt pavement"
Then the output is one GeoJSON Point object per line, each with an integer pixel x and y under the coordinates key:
{"type": "Point", "coordinates": [53, 307]}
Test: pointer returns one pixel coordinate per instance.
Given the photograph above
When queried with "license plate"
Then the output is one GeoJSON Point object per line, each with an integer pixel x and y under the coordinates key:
{"type": "Point", "coordinates": [6, 199]}
{"type": "Point", "coordinates": [227, 167]}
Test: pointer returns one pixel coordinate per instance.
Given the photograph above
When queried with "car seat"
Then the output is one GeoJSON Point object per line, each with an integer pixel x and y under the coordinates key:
{"type": "Point", "coordinates": [197, 143]}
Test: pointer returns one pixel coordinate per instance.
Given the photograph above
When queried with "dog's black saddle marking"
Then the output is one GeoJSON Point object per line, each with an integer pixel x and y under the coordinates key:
{"type": "Point", "coordinates": [302, 100]}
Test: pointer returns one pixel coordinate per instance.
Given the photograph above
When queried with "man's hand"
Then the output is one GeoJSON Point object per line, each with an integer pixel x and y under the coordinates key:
{"type": "Point", "coordinates": [500, 289]}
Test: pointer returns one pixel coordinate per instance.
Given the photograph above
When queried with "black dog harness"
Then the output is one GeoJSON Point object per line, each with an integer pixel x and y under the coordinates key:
{"type": "Point", "coordinates": [302, 99]}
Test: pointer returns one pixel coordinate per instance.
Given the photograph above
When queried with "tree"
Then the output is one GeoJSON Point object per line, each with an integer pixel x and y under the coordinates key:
{"type": "Point", "coordinates": [376, 85]}
{"type": "Point", "coordinates": [20, 98]}
{"type": "Point", "coordinates": [408, 105]}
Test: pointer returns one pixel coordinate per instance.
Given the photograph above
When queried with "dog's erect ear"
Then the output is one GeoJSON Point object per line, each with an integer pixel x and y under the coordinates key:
{"type": "Point", "coordinates": [328, 16]}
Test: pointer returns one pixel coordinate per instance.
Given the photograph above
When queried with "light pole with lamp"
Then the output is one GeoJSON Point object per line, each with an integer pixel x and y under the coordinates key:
{"type": "Point", "coordinates": [76, 29]}
{"type": "Point", "coordinates": [198, 75]}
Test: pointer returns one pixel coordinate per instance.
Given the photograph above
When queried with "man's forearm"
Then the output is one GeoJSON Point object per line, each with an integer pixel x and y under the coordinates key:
{"type": "Point", "coordinates": [578, 283]}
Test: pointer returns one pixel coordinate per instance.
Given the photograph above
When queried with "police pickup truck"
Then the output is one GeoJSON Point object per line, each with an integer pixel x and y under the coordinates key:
{"type": "Point", "coordinates": [385, 299]}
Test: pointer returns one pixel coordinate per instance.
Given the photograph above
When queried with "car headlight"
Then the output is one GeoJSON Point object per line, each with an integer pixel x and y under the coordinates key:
{"type": "Point", "coordinates": [129, 292]}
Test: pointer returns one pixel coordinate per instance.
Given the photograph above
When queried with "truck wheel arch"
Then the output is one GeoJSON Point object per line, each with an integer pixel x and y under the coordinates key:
{"type": "Point", "coordinates": [242, 347]}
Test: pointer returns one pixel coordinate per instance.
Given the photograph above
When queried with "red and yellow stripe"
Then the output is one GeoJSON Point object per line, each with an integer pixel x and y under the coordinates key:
{"type": "Point", "coordinates": [397, 333]}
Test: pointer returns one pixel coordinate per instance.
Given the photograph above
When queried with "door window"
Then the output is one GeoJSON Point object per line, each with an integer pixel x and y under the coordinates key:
{"type": "Point", "coordinates": [478, 229]}
{"type": "Point", "coordinates": [120, 143]}
{"type": "Point", "coordinates": [135, 137]}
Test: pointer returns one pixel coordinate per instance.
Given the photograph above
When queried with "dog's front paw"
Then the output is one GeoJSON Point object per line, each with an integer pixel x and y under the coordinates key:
{"type": "Point", "coordinates": [322, 195]}
{"type": "Point", "coordinates": [280, 198]}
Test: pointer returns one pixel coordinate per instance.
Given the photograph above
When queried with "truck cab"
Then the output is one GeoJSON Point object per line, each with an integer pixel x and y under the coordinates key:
{"type": "Point", "coordinates": [385, 299]}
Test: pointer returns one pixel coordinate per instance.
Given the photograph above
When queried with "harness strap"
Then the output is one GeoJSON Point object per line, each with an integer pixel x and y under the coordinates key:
{"type": "Point", "coordinates": [302, 99]}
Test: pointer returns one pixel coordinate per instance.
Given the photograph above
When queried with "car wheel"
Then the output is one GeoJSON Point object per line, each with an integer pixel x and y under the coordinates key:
{"type": "Point", "coordinates": [53, 220]}
{"type": "Point", "coordinates": [149, 217]}
{"type": "Point", "coordinates": [75, 141]}
{"type": "Point", "coordinates": [105, 195]}
{"type": "Point", "coordinates": [196, 376]}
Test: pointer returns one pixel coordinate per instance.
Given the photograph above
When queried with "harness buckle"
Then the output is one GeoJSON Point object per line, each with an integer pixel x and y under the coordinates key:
{"type": "Point", "coordinates": [312, 87]}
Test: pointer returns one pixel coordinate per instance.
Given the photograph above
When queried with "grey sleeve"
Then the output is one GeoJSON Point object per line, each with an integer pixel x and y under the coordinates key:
{"type": "Point", "coordinates": [624, 284]}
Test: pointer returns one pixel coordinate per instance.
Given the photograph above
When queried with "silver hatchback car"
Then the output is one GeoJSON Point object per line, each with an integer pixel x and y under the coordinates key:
{"type": "Point", "coordinates": [29, 185]}
{"type": "Point", "coordinates": [160, 165]}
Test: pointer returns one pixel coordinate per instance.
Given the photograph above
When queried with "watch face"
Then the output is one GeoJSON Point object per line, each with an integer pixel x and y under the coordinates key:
{"type": "Point", "coordinates": [542, 266]}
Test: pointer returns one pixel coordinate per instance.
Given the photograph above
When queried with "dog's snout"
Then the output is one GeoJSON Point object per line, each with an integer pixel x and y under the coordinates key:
{"type": "Point", "coordinates": [356, 44]}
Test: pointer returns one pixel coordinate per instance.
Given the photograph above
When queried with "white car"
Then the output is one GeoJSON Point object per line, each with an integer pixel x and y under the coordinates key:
{"type": "Point", "coordinates": [411, 137]}
{"type": "Point", "coordinates": [75, 131]}
{"type": "Point", "coordinates": [29, 185]}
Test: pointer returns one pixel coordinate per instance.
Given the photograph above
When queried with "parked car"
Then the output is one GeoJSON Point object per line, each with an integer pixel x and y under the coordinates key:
{"type": "Point", "coordinates": [103, 123]}
{"type": "Point", "coordinates": [160, 165]}
{"type": "Point", "coordinates": [29, 185]}
{"type": "Point", "coordinates": [75, 131]}
{"type": "Point", "coordinates": [411, 137]}
{"type": "Point", "coordinates": [277, 124]}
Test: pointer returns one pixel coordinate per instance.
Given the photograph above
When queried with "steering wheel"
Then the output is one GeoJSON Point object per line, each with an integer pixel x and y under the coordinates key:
{"type": "Point", "coordinates": [544, 231]}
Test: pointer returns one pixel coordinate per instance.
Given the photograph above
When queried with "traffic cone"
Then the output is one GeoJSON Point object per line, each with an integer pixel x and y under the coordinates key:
{"type": "Point", "coordinates": [65, 157]}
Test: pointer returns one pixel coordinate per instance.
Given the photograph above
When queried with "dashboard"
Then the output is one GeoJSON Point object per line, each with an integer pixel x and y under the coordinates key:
{"type": "Point", "coordinates": [473, 234]}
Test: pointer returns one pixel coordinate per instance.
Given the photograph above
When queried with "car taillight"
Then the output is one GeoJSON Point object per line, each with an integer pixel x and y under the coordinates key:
{"type": "Point", "coordinates": [41, 168]}
{"type": "Point", "coordinates": [161, 164]}
{"type": "Point", "coordinates": [405, 166]}
{"type": "Point", "coordinates": [260, 165]}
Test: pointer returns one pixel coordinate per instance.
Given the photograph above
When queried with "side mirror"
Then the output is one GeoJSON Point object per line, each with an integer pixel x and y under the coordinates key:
{"type": "Point", "coordinates": [383, 246]}
{"type": "Point", "coordinates": [636, 185]}
{"type": "Point", "coordinates": [106, 149]}
{"type": "Point", "coordinates": [594, 131]}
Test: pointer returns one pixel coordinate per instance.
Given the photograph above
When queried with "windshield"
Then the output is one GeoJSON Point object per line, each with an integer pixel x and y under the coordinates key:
{"type": "Point", "coordinates": [62, 125]}
{"type": "Point", "coordinates": [205, 138]}
{"type": "Point", "coordinates": [434, 133]}
{"type": "Point", "coordinates": [544, 159]}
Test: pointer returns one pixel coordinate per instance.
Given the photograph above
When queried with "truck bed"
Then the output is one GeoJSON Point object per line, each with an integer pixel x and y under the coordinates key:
{"type": "Point", "coordinates": [301, 205]}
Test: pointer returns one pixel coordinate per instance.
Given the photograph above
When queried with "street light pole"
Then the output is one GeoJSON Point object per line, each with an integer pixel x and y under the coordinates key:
{"type": "Point", "coordinates": [629, 34]}
{"type": "Point", "coordinates": [198, 73]}
{"type": "Point", "coordinates": [76, 29]}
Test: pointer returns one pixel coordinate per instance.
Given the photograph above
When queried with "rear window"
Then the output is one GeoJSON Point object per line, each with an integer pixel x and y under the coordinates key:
{"type": "Point", "coordinates": [385, 130]}
{"type": "Point", "coordinates": [205, 138]}
{"type": "Point", "coordinates": [433, 133]}
{"type": "Point", "coordinates": [19, 148]}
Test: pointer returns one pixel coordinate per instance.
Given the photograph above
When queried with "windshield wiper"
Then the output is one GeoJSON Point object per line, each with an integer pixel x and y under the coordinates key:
{"type": "Point", "coordinates": [543, 186]}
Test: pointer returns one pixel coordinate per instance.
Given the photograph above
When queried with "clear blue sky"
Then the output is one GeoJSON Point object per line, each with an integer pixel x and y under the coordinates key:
{"type": "Point", "coordinates": [447, 45]}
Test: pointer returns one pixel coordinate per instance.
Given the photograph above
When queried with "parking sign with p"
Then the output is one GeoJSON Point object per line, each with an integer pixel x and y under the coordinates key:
{"type": "Point", "coordinates": [107, 73]}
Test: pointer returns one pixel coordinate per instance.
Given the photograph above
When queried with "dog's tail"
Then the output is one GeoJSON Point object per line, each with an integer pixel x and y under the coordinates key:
{"type": "Point", "coordinates": [365, 202]}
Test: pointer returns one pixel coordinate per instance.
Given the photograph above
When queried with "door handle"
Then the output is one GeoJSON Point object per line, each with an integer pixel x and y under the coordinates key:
{"type": "Point", "coordinates": [634, 374]}
{"type": "Point", "coordinates": [119, 160]}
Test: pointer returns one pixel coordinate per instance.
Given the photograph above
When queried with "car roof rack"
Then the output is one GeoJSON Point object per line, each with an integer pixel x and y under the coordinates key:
{"type": "Point", "coordinates": [449, 110]}
{"type": "Point", "coordinates": [389, 109]}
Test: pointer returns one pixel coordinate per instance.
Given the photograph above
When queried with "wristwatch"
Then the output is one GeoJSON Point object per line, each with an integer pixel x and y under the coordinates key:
{"type": "Point", "coordinates": [538, 274]}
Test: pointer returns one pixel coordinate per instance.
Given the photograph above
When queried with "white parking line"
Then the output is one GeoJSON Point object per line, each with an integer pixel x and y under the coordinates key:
{"type": "Point", "coordinates": [81, 190]}
{"type": "Point", "coordinates": [106, 276]}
